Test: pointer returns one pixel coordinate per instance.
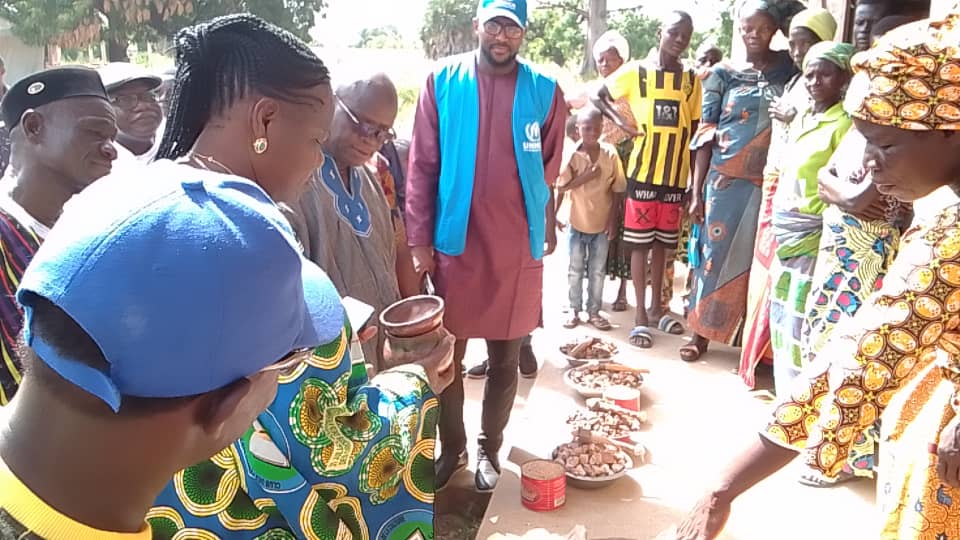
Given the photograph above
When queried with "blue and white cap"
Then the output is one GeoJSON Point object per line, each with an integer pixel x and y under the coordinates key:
{"type": "Point", "coordinates": [187, 282]}
{"type": "Point", "coordinates": [515, 10]}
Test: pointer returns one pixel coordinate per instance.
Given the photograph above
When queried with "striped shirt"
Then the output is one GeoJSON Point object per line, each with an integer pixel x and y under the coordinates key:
{"type": "Point", "coordinates": [20, 237]}
{"type": "Point", "coordinates": [665, 104]}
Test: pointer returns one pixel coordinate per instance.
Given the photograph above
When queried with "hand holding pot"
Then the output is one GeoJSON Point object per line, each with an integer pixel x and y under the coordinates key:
{"type": "Point", "coordinates": [437, 362]}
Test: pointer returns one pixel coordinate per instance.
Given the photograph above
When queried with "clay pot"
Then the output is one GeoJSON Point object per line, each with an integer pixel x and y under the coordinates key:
{"type": "Point", "coordinates": [412, 325]}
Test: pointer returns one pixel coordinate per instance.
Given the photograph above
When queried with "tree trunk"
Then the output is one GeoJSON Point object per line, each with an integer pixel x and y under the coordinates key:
{"type": "Point", "coordinates": [596, 26]}
{"type": "Point", "coordinates": [117, 48]}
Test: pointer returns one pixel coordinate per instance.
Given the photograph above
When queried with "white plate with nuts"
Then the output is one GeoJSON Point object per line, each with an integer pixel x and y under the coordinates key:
{"type": "Point", "coordinates": [607, 420]}
{"type": "Point", "coordinates": [592, 379]}
{"type": "Point", "coordinates": [592, 465]}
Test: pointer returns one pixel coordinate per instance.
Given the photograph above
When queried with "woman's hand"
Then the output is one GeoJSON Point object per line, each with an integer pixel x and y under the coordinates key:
{"type": "Point", "coordinates": [367, 333]}
{"type": "Point", "coordinates": [704, 522]}
{"type": "Point", "coordinates": [696, 209]}
{"type": "Point", "coordinates": [438, 363]}
{"type": "Point", "coordinates": [862, 200]}
{"type": "Point", "coordinates": [782, 111]}
{"type": "Point", "coordinates": [948, 454]}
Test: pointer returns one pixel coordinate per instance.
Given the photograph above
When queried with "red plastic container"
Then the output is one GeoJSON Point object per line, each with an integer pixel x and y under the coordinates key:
{"type": "Point", "coordinates": [623, 396]}
{"type": "Point", "coordinates": [543, 485]}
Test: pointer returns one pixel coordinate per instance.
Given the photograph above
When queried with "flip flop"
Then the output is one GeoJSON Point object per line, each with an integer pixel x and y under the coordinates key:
{"type": "Point", "coordinates": [572, 322]}
{"type": "Point", "coordinates": [691, 352]}
{"type": "Point", "coordinates": [670, 325]}
{"type": "Point", "coordinates": [641, 338]}
{"type": "Point", "coordinates": [619, 305]}
{"type": "Point", "coordinates": [599, 323]}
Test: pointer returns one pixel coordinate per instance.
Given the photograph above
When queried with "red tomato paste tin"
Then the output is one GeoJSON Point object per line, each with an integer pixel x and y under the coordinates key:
{"type": "Point", "coordinates": [543, 485]}
{"type": "Point", "coordinates": [623, 396]}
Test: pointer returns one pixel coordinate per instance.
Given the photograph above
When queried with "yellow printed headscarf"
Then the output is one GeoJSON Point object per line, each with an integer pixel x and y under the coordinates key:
{"type": "Point", "coordinates": [817, 20]}
{"type": "Point", "coordinates": [911, 78]}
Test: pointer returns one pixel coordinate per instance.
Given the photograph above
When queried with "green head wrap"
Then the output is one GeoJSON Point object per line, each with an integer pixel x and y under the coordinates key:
{"type": "Point", "coordinates": [836, 53]}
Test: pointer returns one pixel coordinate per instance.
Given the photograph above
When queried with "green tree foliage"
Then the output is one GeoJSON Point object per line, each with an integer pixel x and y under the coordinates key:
{"type": "Point", "coordinates": [555, 35]}
{"type": "Point", "coordinates": [639, 29]}
{"type": "Point", "coordinates": [297, 16]}
{"type": "Point", "coordinates": [39, 22]}
{"type": "Point", "coordinates": [721, 36]}
{"type": "Point", "coordinates": [383, 37]}
{"type": "Point", "coordinates": [448, 27]}
{"type": "Point", "coordinates": [75, 23]}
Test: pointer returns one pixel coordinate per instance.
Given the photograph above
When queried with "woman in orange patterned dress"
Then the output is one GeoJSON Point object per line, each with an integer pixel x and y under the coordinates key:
{"type": "Point", "coordinates": [899, 356]}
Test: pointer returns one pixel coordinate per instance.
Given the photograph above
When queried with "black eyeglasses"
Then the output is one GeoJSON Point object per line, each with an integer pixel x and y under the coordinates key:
{"type": "Point", "coordinates": [130, 101]}
{"type": "Point", "coordinates": [493, 29]}
{"type": "Point", "coordinates": [366, 129]}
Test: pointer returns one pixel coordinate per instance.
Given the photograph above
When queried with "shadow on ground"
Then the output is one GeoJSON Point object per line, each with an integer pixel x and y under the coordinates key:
{"type": "Point", "coordinates": [459, 510]}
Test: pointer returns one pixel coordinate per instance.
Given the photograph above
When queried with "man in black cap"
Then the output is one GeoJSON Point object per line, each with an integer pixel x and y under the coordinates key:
{"type": "Point", "coordinates": [134, 93]}
{"type": "Point", "coordinates": [62, 129]}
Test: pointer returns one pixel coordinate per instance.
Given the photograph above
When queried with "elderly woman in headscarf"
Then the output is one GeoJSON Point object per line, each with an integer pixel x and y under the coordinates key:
{"type": "Point", "coordinates": [731, 147]}
{"type": "Point", "coordinates": [797, 208]}
{"type": "Point", "coordinates": [899, 356]}
{"type": "Point", "coordinates": [611, 52]}
{"type": "Point", "coordinates": [809, 27]}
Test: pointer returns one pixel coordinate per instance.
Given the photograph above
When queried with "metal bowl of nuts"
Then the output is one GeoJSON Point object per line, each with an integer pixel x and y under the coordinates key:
{"type": "Point", "coordinates": [607, 420]}
{"type": "Point", "coordinates": [586, 349]}
{"type": "Point", "coordinates": [592, 465]}
{"type": "Point", "coordinates": [592, 379]}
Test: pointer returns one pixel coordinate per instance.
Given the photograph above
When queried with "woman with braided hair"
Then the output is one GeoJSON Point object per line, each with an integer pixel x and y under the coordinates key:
{"type": "Point", "coordinates": [335, 455]}
{"type": "Point", "coordinates": [250, 100]}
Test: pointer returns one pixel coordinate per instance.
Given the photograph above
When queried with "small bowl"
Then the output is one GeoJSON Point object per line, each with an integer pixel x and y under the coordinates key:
{"type": "Point", "coordinates": [414, 316]}
{"type": "Point", "coordinates": [578, 362]}
{"type": "Point", "coordinates": [582, 390]}
{"type": "Point", "coordinates": [586, 482]}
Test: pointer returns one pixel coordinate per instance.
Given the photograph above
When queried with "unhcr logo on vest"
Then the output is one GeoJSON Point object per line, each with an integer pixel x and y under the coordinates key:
{"type": "Point", "coordinates": [532, 131]}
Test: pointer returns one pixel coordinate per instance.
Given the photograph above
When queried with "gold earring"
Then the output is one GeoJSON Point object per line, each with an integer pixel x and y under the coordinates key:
{"type": "Point", "coordinates": [260, 145]}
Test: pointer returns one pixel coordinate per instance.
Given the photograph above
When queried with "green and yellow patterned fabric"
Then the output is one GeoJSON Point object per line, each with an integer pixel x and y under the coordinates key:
{"type": "Point", "coordinates": [335, 457]}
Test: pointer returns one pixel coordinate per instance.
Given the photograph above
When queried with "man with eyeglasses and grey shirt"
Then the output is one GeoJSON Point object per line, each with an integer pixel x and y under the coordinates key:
{"type": "Point", "coordinates": [133, 91]}
{"type": "Point", "coordinates": [486, 149]}
{"type": "Point", "coordinates": [343, 220]}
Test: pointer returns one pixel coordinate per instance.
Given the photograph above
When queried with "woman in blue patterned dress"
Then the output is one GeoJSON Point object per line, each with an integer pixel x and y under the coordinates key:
{"type": "Point", "coordinates": [732, 145]}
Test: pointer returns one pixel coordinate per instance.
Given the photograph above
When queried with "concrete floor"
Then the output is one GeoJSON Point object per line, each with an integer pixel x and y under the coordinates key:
{"type": "Point", "coordinates": [701, 415]}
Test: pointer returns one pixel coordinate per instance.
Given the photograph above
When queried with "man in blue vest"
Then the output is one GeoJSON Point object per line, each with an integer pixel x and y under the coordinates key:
{"type": "Point", "coordinates": [486, 149]}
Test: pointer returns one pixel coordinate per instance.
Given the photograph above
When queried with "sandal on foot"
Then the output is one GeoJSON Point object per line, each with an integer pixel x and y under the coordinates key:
{"type": "Point", "coordinates": [599, 323]}
{"type": "Point", "coordinates": [572, 322]}
{"type": "Point", "coordinates": [691, 352]}
{"type": "Point", "coordinates": [619, 305]}
{"type": "Point", "coordinates": [641, 338]}
{"type": "Point", "coordinates": [670, 325]}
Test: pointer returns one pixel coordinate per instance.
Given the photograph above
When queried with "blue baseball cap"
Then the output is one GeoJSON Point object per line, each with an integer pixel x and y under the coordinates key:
{"type": "Point", "coordinates": [187, 281]}
{"type": "Point", "coordinates": [515, 10]}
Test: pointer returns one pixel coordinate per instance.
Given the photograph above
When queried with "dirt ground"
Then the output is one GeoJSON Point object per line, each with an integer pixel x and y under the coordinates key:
{"type": "Point", "coordinates": [701, 414]}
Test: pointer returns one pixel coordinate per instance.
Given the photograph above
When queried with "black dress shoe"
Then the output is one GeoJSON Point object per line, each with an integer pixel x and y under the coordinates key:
{"type": "Point", "coordinates": [448, 465]}
{"type": "Point", "coordinates": [488, 472]}
{"type": "Point", "coordinates": [478, 371]}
